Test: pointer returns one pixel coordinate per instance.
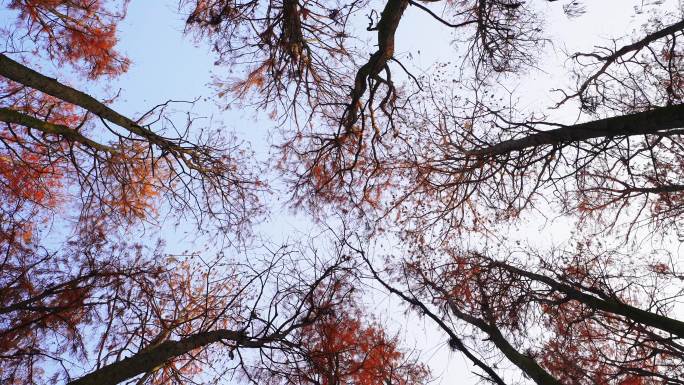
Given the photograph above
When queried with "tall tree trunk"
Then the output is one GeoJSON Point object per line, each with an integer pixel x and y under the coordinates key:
{"type": "Point", "coordinates": [10, 116]}
{"type": "Point", "coordinates": [21, 74]}
{"type": "Point", "coordinates": [152, 357]}
{"type": "Point", "coordinates": [455, 341]}
{"type": "Point", "coordinates": [607, 305]}
{"type": "Point", "coordinates": [386, 27]}
{"type": "Point", "coordinates": [653, 121]}
{"type": "Point", "coordinates": [527, 364]}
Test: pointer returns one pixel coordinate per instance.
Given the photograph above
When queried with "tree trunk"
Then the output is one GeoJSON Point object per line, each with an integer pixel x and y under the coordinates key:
{"type": "Point", "coordinates": [10, 116]}
{"type": "Point", "coordinates": [653, 121]}
{"type": "Point", "coordinates": [150, 358]}
{"type": "Point", "coordinates": [610, 306]}
{"type": "Point", "coordinates": [28, 77]}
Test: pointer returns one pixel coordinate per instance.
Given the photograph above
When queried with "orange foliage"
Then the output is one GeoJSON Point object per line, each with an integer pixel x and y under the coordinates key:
{"type": "Point", "coordinates": [255, 79]}
{"type": "Point", "coordinates": [342, 350]}
{"type": "Point", "coordinates": [29, 184]}
{"type": "Point", "coordinates": [587, 351]}
{"type": "Point", "coordinates": [182, 302]}
{"type": "Point", "coordinates": [32, 179]}
{"type": "Point", "coordinates": [133, 182]}
{"type": "Point", "coordinates": [34, 165]}
{"type": "Point", "coordinates": [50, 303]}
{"type": "Point", "coordinates": [79, 32]}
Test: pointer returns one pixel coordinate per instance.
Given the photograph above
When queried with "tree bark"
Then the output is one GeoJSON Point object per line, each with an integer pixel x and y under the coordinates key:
{"type": "Point", "coordinates": [152, 357]}
{"type": "Point", "coordinates": [525, 363]}
{"type": "Point", "coordinates": [654, 121]}
{"type": "Point", "coordinates": [387, 27]}
{"type": "Point", "coordinates": [28, 77]}
{"type": "Point", "coordinates": [10, 116]}
{"type": "Point", "coordinates": [610, 306]}
{"type": "Point", "coordinates": [455, 341]}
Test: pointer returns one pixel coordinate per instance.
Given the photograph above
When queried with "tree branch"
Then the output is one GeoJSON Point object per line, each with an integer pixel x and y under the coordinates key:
{"type": "Point", "coordinates": [641, 123]}
{"type": "Point", "coordinates": [10, 116]}
{"type": "Point", "coordinates": [610, 306]}
{"type": "Point", "coordinates": [148, 359]}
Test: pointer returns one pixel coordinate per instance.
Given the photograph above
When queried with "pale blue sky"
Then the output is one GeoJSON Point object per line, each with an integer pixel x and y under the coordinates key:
{"type": "Point", "coordinates": [168, 65]}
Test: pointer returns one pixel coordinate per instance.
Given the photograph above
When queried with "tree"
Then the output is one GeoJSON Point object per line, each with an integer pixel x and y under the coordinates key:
{"type": "Point", "coordinates": [440, 164]}
{"type": "Point", "coordinates": [127, 308]}
{"type": "Point", "coordinates": [574, 327]}
{"type": "Point", "coordinates": [80, 33]}
{"type": "Point", "coordinates": [95, 309]}
{"type": "Point", "coordinates": [122, 164]}
{"type": "Point", "coordinates": [55, 158]}
{"type": "Point", "coordinates": [440, 167]}
{"type": "Point", "coordinates": [211, 312]}
{"type": "Point", "coordinates": [342, 347]}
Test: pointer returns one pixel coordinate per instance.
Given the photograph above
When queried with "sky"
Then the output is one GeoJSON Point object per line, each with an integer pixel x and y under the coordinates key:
{"type": "Point", "coordinates": [166, 64]}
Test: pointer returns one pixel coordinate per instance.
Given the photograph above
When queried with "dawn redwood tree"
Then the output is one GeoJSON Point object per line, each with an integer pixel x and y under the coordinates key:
{"type": "Point", "coordinates": [111, 314]}
{"type": "Point", "coordinates": [208, 326]}
{"type": "Point", "coordinates": [567, 317]}
{"type": "Point", "coordinates": [68, 158]}
{"type": "Point", "coordinates": [97, 310]}
{"type": "Point", "coordinates": [344, 346]}
{"type": "Point", "coordinates": [440, 163]}
{"type": "Point", "coordinates": [618, 167]}
{"type": "Point", "coordinates": [120, 164]}
{"type": "Point", "coordinates": [444, 169]}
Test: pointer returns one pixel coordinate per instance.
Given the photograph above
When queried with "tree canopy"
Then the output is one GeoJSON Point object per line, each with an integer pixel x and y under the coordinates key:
{"type": "Point", "coordinates": [537, 233]}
